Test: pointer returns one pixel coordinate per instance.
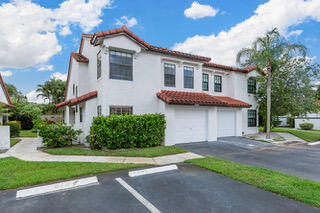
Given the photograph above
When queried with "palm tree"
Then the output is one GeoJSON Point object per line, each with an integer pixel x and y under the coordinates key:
{"type": "Point", "coordinates": [52, 90]}
{"type": "Point", "coordinates": [269, 53]}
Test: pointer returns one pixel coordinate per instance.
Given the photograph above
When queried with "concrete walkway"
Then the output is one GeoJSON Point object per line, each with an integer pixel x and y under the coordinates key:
{"type": "Point", "coordinates": [26, 150]}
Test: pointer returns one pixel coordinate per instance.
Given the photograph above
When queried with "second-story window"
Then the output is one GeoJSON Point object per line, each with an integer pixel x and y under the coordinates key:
{"type": "Point", "coordinates": [252, 85]}
{"type": "Point", "coordinates": [205, 81]}
{"type": "Point", "coordinates": [120, 65]}
{"type": "Point", "coordinates": [99, 111]}
{"type": "Point", "coordinates": [73, 89]}
{"type": "Point", "coordinates": [188, 77]}
{"type": "Point", "coordinates": [217, 83]}
{"type": "Point", "coordinates": [169, 75]}
{"type": "Point", "coordinates": [77, 92]}
{"type": "Point", "coordinates": [99, 65]}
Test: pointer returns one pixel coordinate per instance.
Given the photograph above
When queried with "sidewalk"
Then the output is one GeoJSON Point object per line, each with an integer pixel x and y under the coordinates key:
{"type": "Point", "coordinates": [26, 150]}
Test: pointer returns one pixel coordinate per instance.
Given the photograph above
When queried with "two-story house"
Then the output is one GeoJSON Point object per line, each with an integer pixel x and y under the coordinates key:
{"type": "Point", "coordinates": [4, 100]}
{"type": "Point", "coordinates": [116, 72]}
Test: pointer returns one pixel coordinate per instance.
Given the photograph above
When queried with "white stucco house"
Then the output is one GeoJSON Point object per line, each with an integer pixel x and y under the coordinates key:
{"type": "Point", "coordinates": [116, 72]}
{"type": "Point", "coordinates": [4, 100]}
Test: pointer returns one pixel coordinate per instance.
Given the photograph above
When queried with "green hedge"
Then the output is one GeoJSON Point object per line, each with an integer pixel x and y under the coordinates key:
{"type": "Point", "coordinates": [127, 131]}
{"type": "Point", "coordinates": [15, 128]}
{"type": "Point", "coordinates": [306, 126]}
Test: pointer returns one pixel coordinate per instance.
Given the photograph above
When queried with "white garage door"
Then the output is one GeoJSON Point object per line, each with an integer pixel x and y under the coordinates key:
{"type": "Point", "coordinates": [226, 123]}
{"type": "Point", "coordinates": [190, 125]}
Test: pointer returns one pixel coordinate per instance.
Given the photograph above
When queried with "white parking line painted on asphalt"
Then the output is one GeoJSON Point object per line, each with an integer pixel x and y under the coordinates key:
{"type": "Point", "coordinates": [138, 196]}
{"type": "Point", "coordinates": [152, 170]}
{"type": "Point", "coordinates": [40, 190]}
{"type": "Point", "coordinates": [314, 143]}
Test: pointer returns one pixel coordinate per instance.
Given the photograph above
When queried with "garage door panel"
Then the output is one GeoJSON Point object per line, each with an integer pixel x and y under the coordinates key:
{"type": "Point", "coordinates": [226, 123]}
{"type": "Point", "coordinates": [190, 125]}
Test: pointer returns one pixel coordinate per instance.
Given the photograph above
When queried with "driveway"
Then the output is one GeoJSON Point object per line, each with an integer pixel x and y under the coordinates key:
{"type": "Point", "coordinates": [188, 189]}
{"type": "Point", "coordinates": [298, 160]}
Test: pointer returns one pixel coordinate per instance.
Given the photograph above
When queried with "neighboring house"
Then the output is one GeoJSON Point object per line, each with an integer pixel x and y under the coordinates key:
{"type": "Point", "coordinates": [116, 72]}
{"type": "Point", "coordinates": [313, 118]}
{"type": "Point", "coordinates": [5, 100]}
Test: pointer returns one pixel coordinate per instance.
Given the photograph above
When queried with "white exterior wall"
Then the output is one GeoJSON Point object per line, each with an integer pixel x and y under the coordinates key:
{"type": "Point", "coordinates": [313, 118]}
{"type": "Point", "coordinates": [5, 137]}
{"type": "Point", "coordinates": [148, 79]}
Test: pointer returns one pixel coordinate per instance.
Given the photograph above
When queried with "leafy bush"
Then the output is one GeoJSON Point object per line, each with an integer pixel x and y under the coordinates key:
{"type": "Point", "coordinates": [306, 126]}
{"type": "Point", "coordinates": [290, 121]}
{"type": "Point", "coordinates": [57, 135]}
{"type": "Point", "coordinates": [15, 127]}
{"type": "Point", "coordinates": [127, 131]}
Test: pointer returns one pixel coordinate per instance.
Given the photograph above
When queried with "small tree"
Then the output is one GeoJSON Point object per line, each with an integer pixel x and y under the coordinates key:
{"type": "Point", "coordinates": [269, 53]}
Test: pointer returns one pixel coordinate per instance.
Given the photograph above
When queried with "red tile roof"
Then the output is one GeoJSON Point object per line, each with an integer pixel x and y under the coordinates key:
{"type": "Point", "coordinates": [224, 67]}
{"type": "Point", "coordinates": [74, 101]}
{"type": "Point", "coordinates": [79, 58]}
{"type": "Point", "coordinates": [124, 29]}
{"type": "Point", "coordinates": [3, 85]}
{"type": "Point", "coordinates": [191, 98]}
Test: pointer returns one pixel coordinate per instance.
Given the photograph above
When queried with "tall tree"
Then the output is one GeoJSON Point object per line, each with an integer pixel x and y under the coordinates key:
{"type": "Point", "coordinates": [318, 92]}
{"type": "Point", "coordinates": [269, 53]}
{"type": "Point", "coordinates": [52, 90]}
{"type": "Point", "coordinates": [15, 94]}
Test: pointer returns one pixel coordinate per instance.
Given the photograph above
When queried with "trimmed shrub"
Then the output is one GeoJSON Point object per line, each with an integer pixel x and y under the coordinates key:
{"type": "Point", "coordinates": [15, 127]}
{"type": "Point", "coordinates": [57, 135]}
{"type": "Point", "coordinates": [306, 126]}
{"type": "Point", "coordinates": [127, 131]}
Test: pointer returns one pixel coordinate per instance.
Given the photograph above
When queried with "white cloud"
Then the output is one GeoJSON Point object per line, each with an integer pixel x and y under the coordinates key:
{"type": "Point", "coordinates": [224, 46]}
{"type": "Point", "coordinates": [197, 11]}
{"type": "Point", "coordinates": [65, 31]}
{"type": "Point", "coordinates": [6, 73]}
{"type": "Point", "coordinates": [124, 20]}
{"type": "Point", "coordinates": [28, 30]}
{"type": "Point", "coordinates": [294, 33]}
{"type": "Point", "coordinates": [46, 68]}
{"type": "Point", "coordinates": [58, 75]}
{"type": "Point", "coordinates": [32, 97]}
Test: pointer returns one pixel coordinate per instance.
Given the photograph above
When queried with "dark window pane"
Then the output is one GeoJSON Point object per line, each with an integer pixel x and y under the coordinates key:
{"type": "Point", "coordinates": [252, 118]}
{"type": "Point", "coordinates": [99, 110]}
{"type": "Point", "coordinates": [205, 82]}
{"type": "Point", "coordinates": [217, 83]}
{"type": "Point", "coordinates": [251, 86]}
{"type": "Point", "coordinates": [120, 65]}
{"type": "Point", "coordinates": [99, 65]}
{"type": "Point", "coordinates": [81, 116]}
{"type": "Point", "coordinates": [169, 75]}
{"type": "Point", "coordinates": [188, 77]}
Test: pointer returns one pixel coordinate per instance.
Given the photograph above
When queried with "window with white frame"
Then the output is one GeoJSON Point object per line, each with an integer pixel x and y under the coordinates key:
{"type": "Point", "coordinates": [188, 77]}
{"type": "Point", "coordinates": [252, 85]}
{"type": "Point", "coordinates": [252, 118]}
{"type": "Point", "coordinates": [99, 110]}
{"type": "Point", "coordinates": [205, 81]}
{"type": "Point", "coordinates": [169, 75]}
{"type": "Point", "coordinates": [120, 110]}
{"type": "Point", "coordinates": [120, 65]}
{"type": "Point", "coordinates": [217, 83]}
{"type": "Point", "coordinates": [99, 65]}
{"type": "Point", "coordinates": [80, 114]}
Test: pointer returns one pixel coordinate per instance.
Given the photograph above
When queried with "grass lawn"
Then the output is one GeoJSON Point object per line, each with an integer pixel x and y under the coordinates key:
{"type": "Point", "coordinates": [14, 141]}
{"type": "Point", "coordinates": [306, 135]}
{"type": "Point", "coordinates": [296, 188]}
{"type": "Point", "coordinates": [28, 134]}
{"type": "Point", "coordinates": [15, 173]}
{"type": "Point", "coordinates": [141, 152]}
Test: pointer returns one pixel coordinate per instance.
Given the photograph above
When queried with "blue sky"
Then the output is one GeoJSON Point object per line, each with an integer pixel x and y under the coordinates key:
{"type": "Point", "coordinates": [43, 39]}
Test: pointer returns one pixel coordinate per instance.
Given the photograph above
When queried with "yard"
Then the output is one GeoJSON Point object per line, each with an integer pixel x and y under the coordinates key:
{"type": "Point", "coordinates": [16, 173]}
{"type": "Point", "coordinates": [28, 134]}
{"type": "Point", "coordinates": [293, 187]}
{"type": "Point", "coordinates": [307, 135]}
{"type": "Point", "coordinates": [137, 152]}
{"type": "Point", "coordinates": [14, 141]}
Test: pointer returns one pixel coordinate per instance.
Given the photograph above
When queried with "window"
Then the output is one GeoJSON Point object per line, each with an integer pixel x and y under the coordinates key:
{"type": "Point", "coordinates": [73, 89]}
{"type": "Point", "coordinates": [120, 110]}
{"type": "Point", "coordinates": [205, 82]}
{"type": "Point", "coordinates": [76, 91]}
{"type": "Point", "coordinates": [217, 83]}
{"type": "Point", "coordinates": [169, 75]}
{"type": "Point", "coordinates": [252, 118]}
{"type": "Point", "coordinates": [99, 111]}
{"type": "Point", "coordinates": [188, 77]}
{"type": "Point", "coordinates": [251, 85]}
{"type": "Point", "coordinates": [81, 116]}
{"type": "Point", "coordinates": [99, 65]}
{"type": "Point", "coordinates": [120, 65]}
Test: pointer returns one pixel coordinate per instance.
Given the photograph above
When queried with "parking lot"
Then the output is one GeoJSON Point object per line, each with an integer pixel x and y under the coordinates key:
{"type": "Point", "coordinates": [188, 189]}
